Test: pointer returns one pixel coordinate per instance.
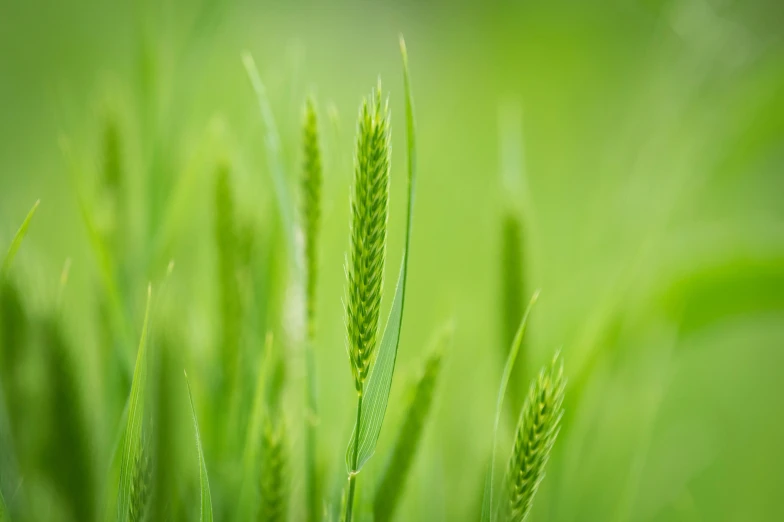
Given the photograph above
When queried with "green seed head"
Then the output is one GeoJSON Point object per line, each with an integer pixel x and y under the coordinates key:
{"type": "Point", "coordinates": [141, 486]}
{"type": "Point", "coordinates": [312, 174]}
{"type": "Point", "coordinates": [274, 491]}
{"type": "Point", "coordinates": [369, 212]}
{"type": "Point", "coordinates": [537, 430]}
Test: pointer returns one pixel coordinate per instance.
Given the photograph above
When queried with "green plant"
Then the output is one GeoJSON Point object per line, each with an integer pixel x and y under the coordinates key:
{"type": "Point", "coordinates": [133, 440]}
{"type": "Point", "coordinates": [393, 479]}
{"type": "Point", "coordinates": [205, 508]}
{"type": "Point", "coordinates": [373, 396]}
{"type": "Point", "coordinates": [537, 430]}
{"type": "Point", "coordinates": [311, 182]}
{"type": "Point", "coordinates": [274, 480]}
{"type": "Point", "coordinates": [141, 486]}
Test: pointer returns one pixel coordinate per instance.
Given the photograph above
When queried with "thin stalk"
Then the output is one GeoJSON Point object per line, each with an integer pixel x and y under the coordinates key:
{"type": "Point", "coordinates": [352, 475]}
{"type": "Point", "coordinates": [311, 420]}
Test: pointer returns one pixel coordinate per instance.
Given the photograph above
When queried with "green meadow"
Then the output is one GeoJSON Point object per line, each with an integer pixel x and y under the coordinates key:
{"type": "Point", "coordinates": [391, 261]}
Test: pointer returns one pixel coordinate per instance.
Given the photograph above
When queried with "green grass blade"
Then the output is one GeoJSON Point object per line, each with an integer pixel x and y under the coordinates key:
{"type": "Point", "coordinates": [204, 481]}
{"type": "Point", "coordinates": [487, 502]}
{"type": "Point", "coordinates": [16, 242]}
{"type": "Point", "coordinates": [132, 444]}
{"type": "Point", "coordinates": [274, 155]}
{"type": "Point", "coordinates": [380, 379]}
{"type": "Point", "coordinates": [393, 479]}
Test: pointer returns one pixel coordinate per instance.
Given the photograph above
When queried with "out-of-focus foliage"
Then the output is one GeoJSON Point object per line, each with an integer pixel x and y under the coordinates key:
{"type": "Point", "coordinates": [650, 167]}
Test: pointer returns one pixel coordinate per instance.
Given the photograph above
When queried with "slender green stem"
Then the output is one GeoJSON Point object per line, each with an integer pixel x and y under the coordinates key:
{"type": "Point", "coordinates": [352, 476]}
{"type": "Point", "coordinates": [312, 484]}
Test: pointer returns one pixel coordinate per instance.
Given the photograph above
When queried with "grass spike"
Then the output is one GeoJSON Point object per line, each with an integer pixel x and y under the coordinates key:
{"type": "Point", "coordinates": [369, 214]}
{"type": "Point", "coordinates": [393, 479]}
{"type": "Point", "coordinates": [274, 481]}
{"type": "Point", "coordinates": [140, 486]}
{"type": "Point", "coordinates": [312, 177]}
{"type": "Point", "coordinates": [133, 441]}
{"type": "Point", "coordinates": [537, 430]}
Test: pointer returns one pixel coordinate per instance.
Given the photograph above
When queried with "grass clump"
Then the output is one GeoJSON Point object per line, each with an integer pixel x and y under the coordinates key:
{"type": "Point", "coordinates": [537, 430]}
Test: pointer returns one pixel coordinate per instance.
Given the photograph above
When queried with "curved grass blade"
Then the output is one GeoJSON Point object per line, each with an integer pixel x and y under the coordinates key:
{"type": "Point", "coordinates": [274, 155]}
{"type": "Point", "coordinates": [132, 443]}
{"type": "Point", "coordinates": [487, 501]}
{"type": "Point", "coordinates": [204, 481]}
{"type": "Point", "coordinates": [393, 480]}
{"type": "Point", "coordinates": [380, 379]}
{"type": "Point", "coordinates": [16, 242]}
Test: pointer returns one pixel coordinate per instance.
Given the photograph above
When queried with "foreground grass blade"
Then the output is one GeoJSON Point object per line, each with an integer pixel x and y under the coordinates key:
{"type": "Point", "coordinates": [204, 481]}
{"type": "Point", "coordinates": [487, 501]}
{"type": "Point", "coordinates": [380, 379]}
{"type": "Point", "coordinates": [393, 480]}
{"type": "Point", "coordinates": [16, 242]}
{"type": "Point", "coordinates": [132, 443]}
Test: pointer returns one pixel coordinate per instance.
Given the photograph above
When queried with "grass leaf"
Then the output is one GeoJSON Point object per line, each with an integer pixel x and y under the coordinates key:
{"type": "Point", "coordinates": [16, 242]}
{"type": "Point", "coordinates": [380, 379]}
{"type": "Point", "coordinates": [487, 501]}
{"type": "Point", "coordinates": [132, 443]}
{"type": "Point", "coordinates": [204, 481]}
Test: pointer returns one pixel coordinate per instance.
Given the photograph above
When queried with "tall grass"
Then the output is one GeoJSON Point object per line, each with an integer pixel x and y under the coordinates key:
{"type": "Point", "coordinates": [311, 182]}
{"type": "Point", "coordinates": [252, 450]}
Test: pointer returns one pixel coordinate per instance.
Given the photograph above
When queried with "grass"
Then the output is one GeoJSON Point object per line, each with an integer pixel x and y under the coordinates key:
{"type": "Point", "coordinates": [267, 455]}
{"type": "Point", "coordinates": [632, 252]}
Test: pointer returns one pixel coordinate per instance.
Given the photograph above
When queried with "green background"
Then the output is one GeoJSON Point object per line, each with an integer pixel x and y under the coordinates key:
{"type": "Point", "coordinates": [645, 144]}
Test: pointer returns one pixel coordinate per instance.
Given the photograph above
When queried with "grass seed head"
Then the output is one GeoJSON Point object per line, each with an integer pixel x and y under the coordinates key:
{"type": "Point", "coordinates": [312, 174]}
{"type": "Point", "coordinates": [369, 214]}
{"type": "Point", "coordinates": [537, 429]}
{"type": "Point", "coordinates": [274, 490]}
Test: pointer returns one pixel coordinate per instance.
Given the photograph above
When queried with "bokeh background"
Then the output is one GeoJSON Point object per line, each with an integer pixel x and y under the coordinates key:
{"type": "Point", "coordinates": [635, 148]}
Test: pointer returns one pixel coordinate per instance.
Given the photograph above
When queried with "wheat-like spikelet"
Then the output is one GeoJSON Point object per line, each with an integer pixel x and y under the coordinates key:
{"type": "Point", "coordinates": [274, 490]}
{"type": "Point", "coordinates": [141, 488]}
{"type": "Point", "coordinates": [312, 174]}
{"type": "Point", "coordinates": [369, 212]}
{"type": "Point", "coordinates": [537, 430]}
{"type": "Point", "coordinates": [393, 480]}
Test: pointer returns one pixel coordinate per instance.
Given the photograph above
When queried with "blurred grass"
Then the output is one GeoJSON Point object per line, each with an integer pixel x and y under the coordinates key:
{"type": "Point", "coordinates": [652, 150]}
